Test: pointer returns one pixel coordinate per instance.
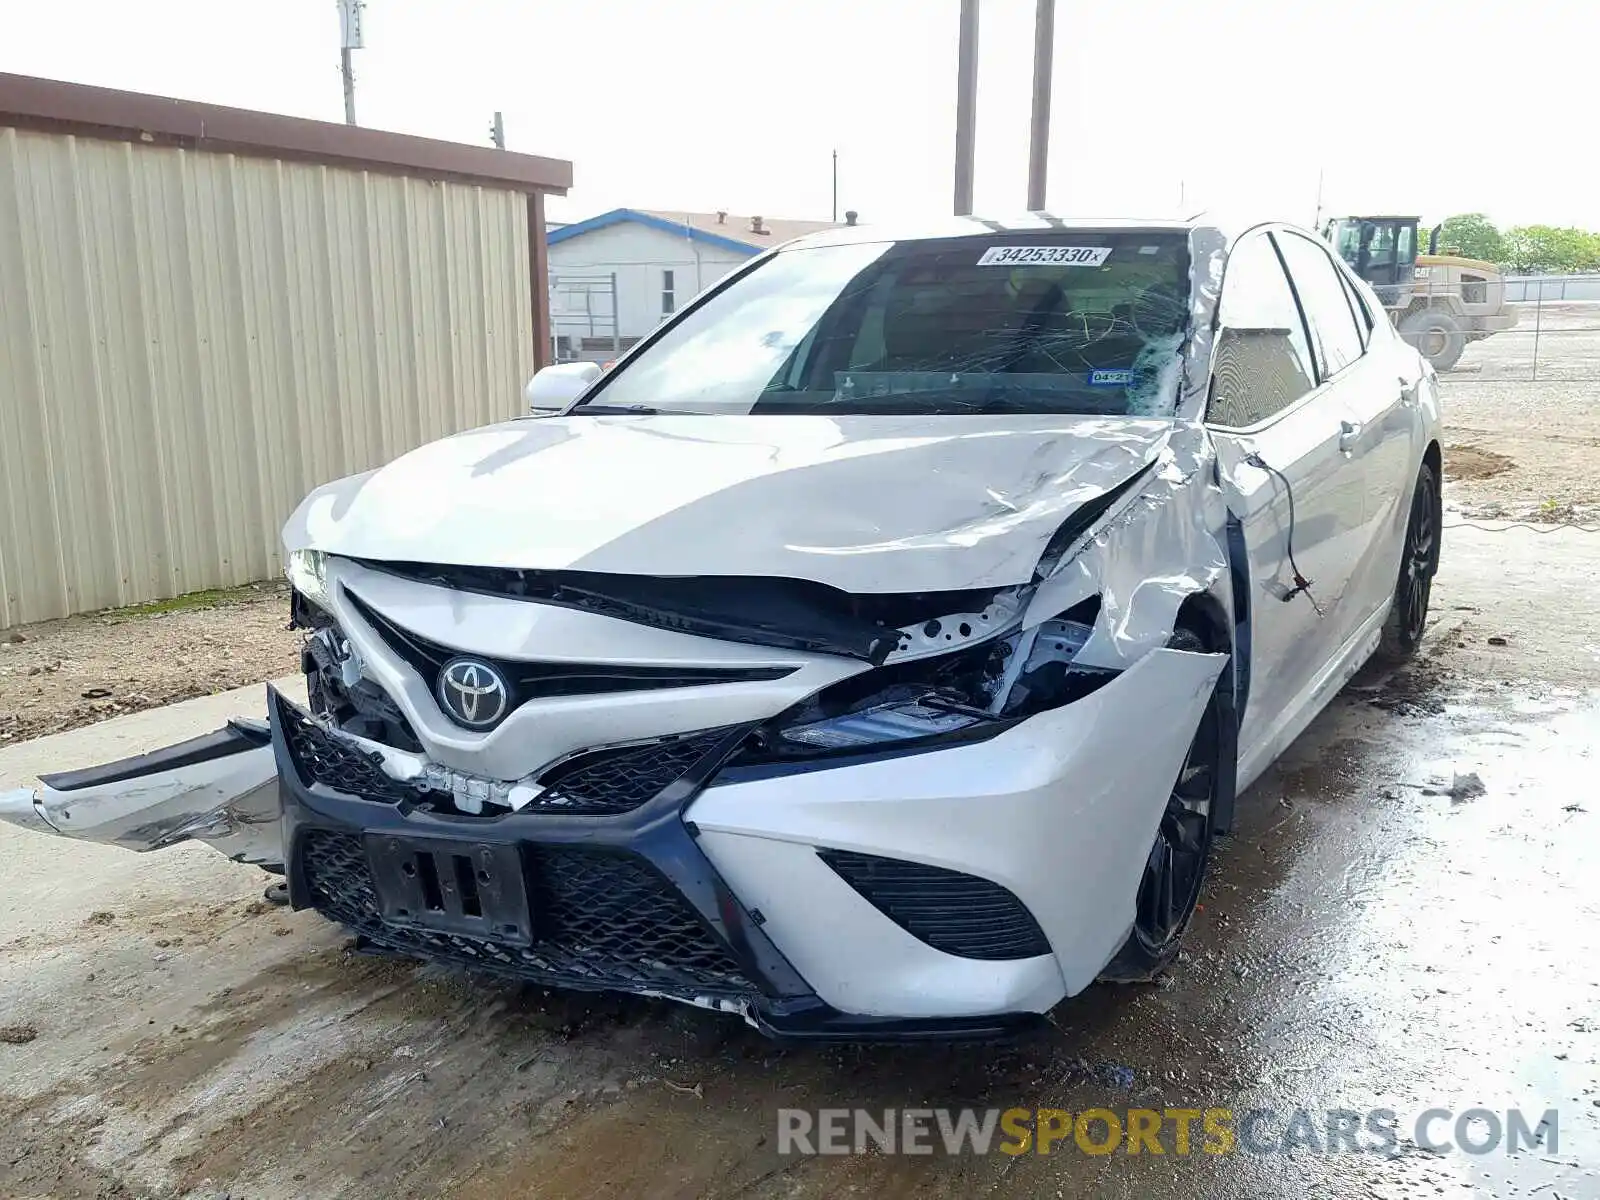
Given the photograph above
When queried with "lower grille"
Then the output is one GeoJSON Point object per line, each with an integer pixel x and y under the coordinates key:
{"type": "Point", "coordinates": [602, 920]}
{"type": "Point", "coordinates": [620, 780]}
{"type": "Point", "coordinates": [321, 758]}
{"type": "Point", "coordinates": [950, 911]}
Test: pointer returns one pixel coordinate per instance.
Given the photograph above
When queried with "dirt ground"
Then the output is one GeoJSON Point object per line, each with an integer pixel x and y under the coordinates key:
{"type": "Point", "coordinates": [1523, 432]}
{"type": "Point", "coordinates": [61, 674]}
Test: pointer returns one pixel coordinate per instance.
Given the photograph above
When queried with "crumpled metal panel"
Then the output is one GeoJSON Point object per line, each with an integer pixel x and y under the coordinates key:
{"type": "Point", "coordinates": [1147, 556]}
{"type": "Point", "coordinates": [862, 503]}
{"type": "Point", "coordinates": [191, 341]}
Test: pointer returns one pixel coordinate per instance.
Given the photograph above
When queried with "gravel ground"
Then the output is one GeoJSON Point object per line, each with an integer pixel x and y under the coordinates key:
{"type": "Point", "coordinates": [61, 674]}
{"type": "Point", "coordinates": [1523, 433]}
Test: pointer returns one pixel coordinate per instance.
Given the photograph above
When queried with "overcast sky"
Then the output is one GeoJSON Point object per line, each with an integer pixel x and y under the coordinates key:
{"type": "Point", "coordinates": [1428, 106]}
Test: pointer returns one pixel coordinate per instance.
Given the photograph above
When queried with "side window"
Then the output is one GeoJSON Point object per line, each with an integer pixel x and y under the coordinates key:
{"type": "Point", "coordinates": [1322, 299]}
{"type": "Point", "coordinates": [1359, 308]}
{"type": "Point", "coordinates": [1262, 360]}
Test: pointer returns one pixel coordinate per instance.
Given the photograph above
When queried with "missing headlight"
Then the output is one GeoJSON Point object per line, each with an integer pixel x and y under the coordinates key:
{"type": "Point", "coordinates": [962, 695]}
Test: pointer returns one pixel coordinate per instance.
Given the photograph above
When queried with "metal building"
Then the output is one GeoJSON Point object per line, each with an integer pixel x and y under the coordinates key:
{"type": "Point", "coordinates": [205, 312]}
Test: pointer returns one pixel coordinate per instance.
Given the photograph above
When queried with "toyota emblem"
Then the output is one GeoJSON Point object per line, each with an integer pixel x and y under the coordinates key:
{"type": "Point", "coordinates": [473, 694]}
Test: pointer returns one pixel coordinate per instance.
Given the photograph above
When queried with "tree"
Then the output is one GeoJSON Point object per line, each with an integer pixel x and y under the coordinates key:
{"type": "Point", "coordinates": [1547, 250]}
{"type": "Point", "coordinates": [1472, 235]}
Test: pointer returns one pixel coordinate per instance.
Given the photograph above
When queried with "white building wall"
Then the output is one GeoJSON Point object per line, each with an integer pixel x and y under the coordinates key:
{"type": "Point", "coordinates": [638, 255]}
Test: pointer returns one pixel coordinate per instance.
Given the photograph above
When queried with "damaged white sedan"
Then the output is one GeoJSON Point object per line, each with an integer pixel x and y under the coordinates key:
{"type": "Point", "coordinates": [877, 650]}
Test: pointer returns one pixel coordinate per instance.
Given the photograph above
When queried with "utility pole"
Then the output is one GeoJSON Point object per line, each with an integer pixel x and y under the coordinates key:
{"type": "Point", "coordinates": [1316, 221]}
{"type": "Point", "coordinates": [349, 39]}
{"type": "Point", "coordinates": [835, 187]}
{"type": "Point", "coordinates": [497, 131]}
{"type": "Point", "coordinates": [1044, 45]}
{"type": "Point", "coordinates": [966, 106]}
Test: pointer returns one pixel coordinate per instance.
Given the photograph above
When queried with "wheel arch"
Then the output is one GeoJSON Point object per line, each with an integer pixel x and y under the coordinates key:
{"type": "Point", "coordinates": [1206, 616]}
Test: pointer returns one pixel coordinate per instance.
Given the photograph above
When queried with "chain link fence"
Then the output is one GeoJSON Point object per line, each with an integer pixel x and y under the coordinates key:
{"type": "Point", "coordinates": [1553, 334]}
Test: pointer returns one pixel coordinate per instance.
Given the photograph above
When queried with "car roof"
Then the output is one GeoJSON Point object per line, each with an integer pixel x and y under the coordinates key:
{"type": "Point", "coordinates": [974, 226]}
{"type": "Point", "coordinates": [1226, 228]}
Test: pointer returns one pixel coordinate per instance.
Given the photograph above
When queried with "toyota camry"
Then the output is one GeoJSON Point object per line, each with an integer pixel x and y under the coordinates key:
{"type": "Point", "coordinates": [877, 649]}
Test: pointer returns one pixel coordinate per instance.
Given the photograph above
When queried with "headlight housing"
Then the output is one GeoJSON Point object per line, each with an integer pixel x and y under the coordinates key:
{"type": "Point", "coordinates": [968, 694]}
{"type": "Point", "coordinates": [893, 721]}
{"type": "Point", "coordinates": [308, 574]}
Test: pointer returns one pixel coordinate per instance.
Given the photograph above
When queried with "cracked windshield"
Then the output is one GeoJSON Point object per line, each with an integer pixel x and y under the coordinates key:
{"type": "Point", "coordinates": [1084, 323]}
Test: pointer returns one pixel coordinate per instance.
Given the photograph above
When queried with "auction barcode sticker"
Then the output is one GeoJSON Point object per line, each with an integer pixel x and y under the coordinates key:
{"type": "Point", "coordinates": [1071, 256]}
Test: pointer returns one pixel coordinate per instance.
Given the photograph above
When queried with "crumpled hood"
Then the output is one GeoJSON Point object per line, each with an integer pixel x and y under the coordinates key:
{"type": "Point", "coordinates": [862, 503]}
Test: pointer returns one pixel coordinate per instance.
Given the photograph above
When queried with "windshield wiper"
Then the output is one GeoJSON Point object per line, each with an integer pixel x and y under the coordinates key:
{"type": "Point", "coordinates": [642, 409]}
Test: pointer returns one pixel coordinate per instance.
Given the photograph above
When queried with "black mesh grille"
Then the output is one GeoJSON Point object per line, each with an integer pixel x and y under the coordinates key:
{"type": "Point", "coordinates": [957, 913]}
{"type": "Point", "coordinates": [615, 781]}
{"type": "Point", "coordinates": [601, 920]}
{"type": "Point", "coordinates": [320, 758]}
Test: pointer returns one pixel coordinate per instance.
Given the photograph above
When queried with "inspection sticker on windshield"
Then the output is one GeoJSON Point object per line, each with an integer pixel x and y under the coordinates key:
{"type": "Point", "coordinates": [1105, 378]}
{"type": "Point", "coordinates": [1069, 256]}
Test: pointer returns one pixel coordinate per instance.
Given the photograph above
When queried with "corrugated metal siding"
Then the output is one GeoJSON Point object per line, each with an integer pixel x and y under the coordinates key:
{"type": "Point", "coordinates": [189, 342]}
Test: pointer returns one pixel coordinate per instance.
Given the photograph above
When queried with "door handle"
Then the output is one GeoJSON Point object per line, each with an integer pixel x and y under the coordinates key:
{"type": "Point", "coordinates": [1349, 434]}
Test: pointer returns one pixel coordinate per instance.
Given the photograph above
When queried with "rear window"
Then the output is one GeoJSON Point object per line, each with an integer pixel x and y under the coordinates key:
{"type": "Point", "coordinates": [1071, 323]}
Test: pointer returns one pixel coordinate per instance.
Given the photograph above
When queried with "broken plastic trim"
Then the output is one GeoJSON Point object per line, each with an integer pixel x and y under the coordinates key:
{"type": "Point", "coordinates": [792, 614]}
{"type": "Point", "coordinates": [233, 738]}
{"type": "Point", "coordinates": [967, 694]}
{"type": "Point", "coordinates": [533, 679]}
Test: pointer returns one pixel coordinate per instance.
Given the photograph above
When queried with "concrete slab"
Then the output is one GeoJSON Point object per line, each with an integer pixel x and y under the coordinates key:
{"type": "Point", "coordinates": [137, 733]}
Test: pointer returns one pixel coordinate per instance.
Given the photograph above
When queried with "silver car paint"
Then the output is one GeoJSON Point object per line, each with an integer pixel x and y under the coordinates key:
{"type": "Point", "coordinates": [860, 503]}
{"type": "Point", "coordinates": [541, 731]}
{"type": "Point", "coordinates": [1060, 809]}
{"type": "Point", "coordinates": [230, 803]}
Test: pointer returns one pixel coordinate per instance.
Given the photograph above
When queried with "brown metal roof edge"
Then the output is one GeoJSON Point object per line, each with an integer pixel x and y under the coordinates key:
{"type": "Point", "coordinates": [52, 104]}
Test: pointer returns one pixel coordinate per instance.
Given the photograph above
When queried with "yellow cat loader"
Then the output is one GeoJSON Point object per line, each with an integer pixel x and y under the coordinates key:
{"type": "Point", "coordinates": [1439, 302]}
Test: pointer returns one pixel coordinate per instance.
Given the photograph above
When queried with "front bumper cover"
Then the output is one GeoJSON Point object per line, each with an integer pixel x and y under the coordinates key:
{"type": "Point", "coordinates": [650, 842]}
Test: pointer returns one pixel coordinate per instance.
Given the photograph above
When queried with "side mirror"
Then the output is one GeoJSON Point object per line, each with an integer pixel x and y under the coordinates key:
{"type": "Point", "coordinates": [553, 388]}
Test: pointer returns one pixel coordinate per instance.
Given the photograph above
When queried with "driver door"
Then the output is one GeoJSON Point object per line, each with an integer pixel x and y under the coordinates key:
{"type": "Point", "coordinates": [1279, 422]}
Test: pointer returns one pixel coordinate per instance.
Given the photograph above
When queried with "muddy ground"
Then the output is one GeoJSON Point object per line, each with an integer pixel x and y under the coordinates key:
{"type": "Point", "coordinates": [1366, 940]}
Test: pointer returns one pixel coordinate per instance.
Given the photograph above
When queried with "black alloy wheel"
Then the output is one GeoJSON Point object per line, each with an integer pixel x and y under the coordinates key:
{"type": "Point", "coordinates": [1169, 888]}
{"type": "Point", "coordinates": [1419, 562]}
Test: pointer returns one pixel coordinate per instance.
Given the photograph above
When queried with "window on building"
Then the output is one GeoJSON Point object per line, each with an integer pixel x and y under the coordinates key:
{"type": "Point", "coordinates": [669, 295]}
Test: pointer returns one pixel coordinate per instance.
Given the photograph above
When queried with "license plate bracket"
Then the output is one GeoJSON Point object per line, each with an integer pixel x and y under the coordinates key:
{"type": "Point", "coordinates": [474, 888]}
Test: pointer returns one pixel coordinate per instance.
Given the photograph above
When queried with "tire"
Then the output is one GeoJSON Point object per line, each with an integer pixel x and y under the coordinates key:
{"type": "Point", "coordinates": [1419, 562]}
{"type": "Point", "coordinates": [1436, 335]}
{"type": "Point", "coordinates": [1186, 831]}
